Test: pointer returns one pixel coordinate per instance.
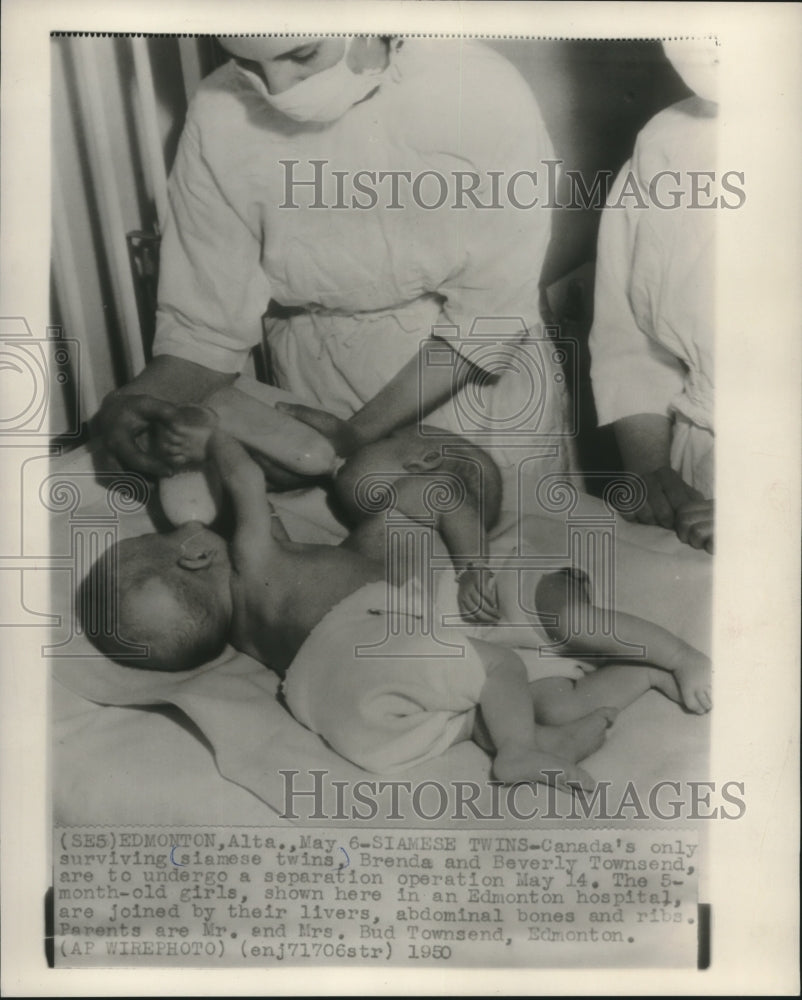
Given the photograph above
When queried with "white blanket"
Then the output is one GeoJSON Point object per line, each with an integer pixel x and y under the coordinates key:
{"type": "Point", "coordinates": [212, 747]}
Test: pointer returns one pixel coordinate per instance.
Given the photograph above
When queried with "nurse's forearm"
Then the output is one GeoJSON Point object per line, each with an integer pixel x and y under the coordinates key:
{"type": "Point", "coordinates": [406, 396]}
{"type": "Point", "coordinates": [176, 380]}
{"type": "Point", "coordinates": [644, 441]}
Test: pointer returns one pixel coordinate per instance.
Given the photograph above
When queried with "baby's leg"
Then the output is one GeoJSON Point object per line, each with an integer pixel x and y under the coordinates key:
{"type": "Point", "coordinates": [517, 626]}
{"type": "Point", "coordinates": [562, 596]}
{"type": "Point", "coordinates": [559, 700]}
{"type": "Point", "coordinates": [524, 751]}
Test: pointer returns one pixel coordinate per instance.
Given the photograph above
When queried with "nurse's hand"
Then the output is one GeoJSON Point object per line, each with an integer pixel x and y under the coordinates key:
{"type": "Point", "coordinates": [666, 493]}
{"type": "Point", "coordinates": [695, 524]}
{"type": "Point", "coordinates": [341, 433]}
{"type": "Point", "coordinates": [125, 422]}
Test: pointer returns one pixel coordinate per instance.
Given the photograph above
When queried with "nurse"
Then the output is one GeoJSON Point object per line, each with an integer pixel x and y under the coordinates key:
{"type": "Point", "coordinates": [653, 329]}
{"type": "Point", "coordinates": [389, 200]}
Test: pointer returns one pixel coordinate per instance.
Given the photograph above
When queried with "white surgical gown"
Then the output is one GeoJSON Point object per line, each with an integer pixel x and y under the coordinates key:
{"type": "Point", "coordinates": [361, 287]}
{"type": "Point", "coordinates": [653, 328]}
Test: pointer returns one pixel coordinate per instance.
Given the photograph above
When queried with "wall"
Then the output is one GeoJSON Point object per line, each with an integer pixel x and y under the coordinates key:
{"type": "Point", "coordinates": [107, 183]}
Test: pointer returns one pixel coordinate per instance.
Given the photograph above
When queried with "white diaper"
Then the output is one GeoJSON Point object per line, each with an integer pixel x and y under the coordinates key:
{"type": "Point", "coordinates": [376, 681]}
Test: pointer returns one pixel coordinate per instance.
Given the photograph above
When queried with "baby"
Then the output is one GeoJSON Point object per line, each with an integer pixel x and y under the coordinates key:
{"type": "Point", "coordinates": [347, 624]}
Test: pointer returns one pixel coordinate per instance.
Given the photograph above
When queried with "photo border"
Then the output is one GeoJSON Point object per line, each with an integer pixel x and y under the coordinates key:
{"type": "Point", "coordinates": [755, 723]}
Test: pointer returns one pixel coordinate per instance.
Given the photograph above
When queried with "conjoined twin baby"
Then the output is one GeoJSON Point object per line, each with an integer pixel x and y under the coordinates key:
{"type": "Point", "coordinates": [353, 628]}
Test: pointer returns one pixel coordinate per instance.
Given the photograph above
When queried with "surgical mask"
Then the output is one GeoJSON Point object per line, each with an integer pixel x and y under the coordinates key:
{"type": "Point", "coordinates": [326, 96]}
{"type": "Point", "coordinates": [697, 64]}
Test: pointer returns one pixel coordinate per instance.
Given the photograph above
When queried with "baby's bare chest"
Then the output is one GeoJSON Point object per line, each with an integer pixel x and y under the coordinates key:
{"type": "Point", "coordinates": [281, 605]}
{"type": "Point", "coordinates": [399, 545]}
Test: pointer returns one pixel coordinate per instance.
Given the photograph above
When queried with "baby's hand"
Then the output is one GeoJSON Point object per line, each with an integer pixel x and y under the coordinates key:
{"type": "Point", "coordinates": [184, 440]}
{"type": "Point", "coordinates": [694, 681]}
{"type": "Point", "coordinates": [477, 596]}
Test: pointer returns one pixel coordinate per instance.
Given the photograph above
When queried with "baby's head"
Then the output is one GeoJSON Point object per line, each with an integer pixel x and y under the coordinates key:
{"type": "Point", "coordinates": [170, 593]}
{"type": "Point", "coordinates": [426, 450]}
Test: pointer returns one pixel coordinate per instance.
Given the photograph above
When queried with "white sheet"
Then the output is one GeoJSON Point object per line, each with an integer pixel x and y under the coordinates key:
{"type": "Point", "coordinates": [127, 764]}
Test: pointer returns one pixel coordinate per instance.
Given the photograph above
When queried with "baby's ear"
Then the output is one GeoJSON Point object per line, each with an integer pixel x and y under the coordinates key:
{"type": "Point", "coordinates": [427, 462]}
{"type": "Point", "coordinates": [196, 560]}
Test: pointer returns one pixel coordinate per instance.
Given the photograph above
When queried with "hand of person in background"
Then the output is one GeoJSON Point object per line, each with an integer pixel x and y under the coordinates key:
{"type": "Point", "coordinates": [126, 420]}
{"type": "Point", "coordinates": [666, 493]}
{"type": "Point", "coordinates": [645, 443]}
{"type": "Point", "coordinates": [695, 524]}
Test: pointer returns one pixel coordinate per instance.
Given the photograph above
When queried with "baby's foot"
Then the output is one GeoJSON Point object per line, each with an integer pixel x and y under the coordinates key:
{"type": "Point", "coordinates": [184, 440]}
{"type": "Point", "coordinates": [576, 740]}
{"type": "Point", "coordinates": [694, 681]}
{"type": "Point", "coordinates": [516, 762]}
{"type": "Point", "coordinates": [565, 744]}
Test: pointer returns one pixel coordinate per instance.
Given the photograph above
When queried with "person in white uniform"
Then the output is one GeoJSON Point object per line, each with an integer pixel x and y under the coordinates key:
{"type": "Point", "coordinates": [653, 328]}
{"type": "Point", "coordinates": [388, 199]}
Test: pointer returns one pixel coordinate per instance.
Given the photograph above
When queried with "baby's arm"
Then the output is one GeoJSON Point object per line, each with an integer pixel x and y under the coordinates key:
{"type": "Point", "coordinates": [257, 527]}
{"type": "Point", "coordinates": [465, 538]}
{"type": "Point", "coordinates": [564, 595]}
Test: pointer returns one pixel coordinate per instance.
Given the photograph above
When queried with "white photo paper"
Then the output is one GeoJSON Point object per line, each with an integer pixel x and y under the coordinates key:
{"type": "Point", "coordinates": [495, 687]}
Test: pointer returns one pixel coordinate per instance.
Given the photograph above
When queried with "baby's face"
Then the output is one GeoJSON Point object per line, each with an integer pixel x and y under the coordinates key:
{"type": "Point", "coordinates": [402, 453]}
{"type": "Point", "coordinates": [405, 450]}
{"type": "Point", "coordinates": [191, 553]}
{"type": "Point", "coordinates": [382, 460]}
{"type": "Point", "coordinates": [386, 455]}
{"type": "Point", "coordinates": [175, 595]}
